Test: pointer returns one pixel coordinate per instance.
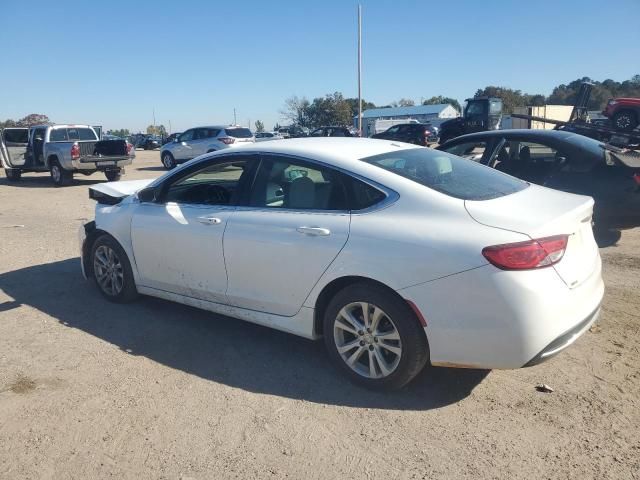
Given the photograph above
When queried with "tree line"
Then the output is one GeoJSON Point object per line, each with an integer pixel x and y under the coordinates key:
{"type": "Point", "coordinates": [335, 109]}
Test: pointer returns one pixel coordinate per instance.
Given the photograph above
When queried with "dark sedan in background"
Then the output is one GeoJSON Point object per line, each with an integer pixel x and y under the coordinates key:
{"type": "Point", "coordinates": [417, 133]}
{"type": "Point", "coordinates": [563, 161]}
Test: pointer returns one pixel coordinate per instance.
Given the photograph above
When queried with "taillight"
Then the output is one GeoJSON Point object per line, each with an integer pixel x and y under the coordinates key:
{"type": "Point", "coordinates": [528, 255]}
{"type": "Point", "coordinates": [636, 177]}
{"type": "Point", "coordinates": [75, 151]}
{"type": "Point", "coordinates": [129, 148]}
{"type": "Point", "coordinates": [227, 140]}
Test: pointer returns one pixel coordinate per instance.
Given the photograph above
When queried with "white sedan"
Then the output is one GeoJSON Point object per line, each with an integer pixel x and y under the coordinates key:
{"type": "Point", "coordinates": [398, 256]}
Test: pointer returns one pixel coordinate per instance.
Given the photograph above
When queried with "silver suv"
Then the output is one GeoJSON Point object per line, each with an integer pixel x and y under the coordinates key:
{"type": "Point", "coordinates": [197, 141]}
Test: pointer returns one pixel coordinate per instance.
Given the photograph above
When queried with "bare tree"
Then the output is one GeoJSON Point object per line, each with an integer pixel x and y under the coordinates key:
{"type": "Point", "coordinates": [295, 110]}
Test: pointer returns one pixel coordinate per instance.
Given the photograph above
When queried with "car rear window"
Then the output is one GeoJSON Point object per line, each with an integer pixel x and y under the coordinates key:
{"type": "Point", "coordinates": [80, 134]}
{"type": "Point", "coordinates": [238, 132]}
{"type": "Point", "coordinates": [448, 174]}
{"type": "Point", "coordinates": [58, 135]}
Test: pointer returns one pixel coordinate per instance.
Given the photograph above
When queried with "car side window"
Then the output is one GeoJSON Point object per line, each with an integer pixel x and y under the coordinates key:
{"type": "Point", "coordinates": [469, 150]}
{"type": "Point", "coordinates": [215, 184]}
{"type": "Point", "coordinates": [187, 136]}
{"type": "Point", "coordinates": [284, 183]}
{"type": "Point", "coordinates": [529, 161]}
{"type": "Point", "coordinates": [393, 129]}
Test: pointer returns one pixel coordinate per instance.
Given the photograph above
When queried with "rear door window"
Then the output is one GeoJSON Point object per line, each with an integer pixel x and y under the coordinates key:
{"type": "Point", "coordinates": [448, 174]}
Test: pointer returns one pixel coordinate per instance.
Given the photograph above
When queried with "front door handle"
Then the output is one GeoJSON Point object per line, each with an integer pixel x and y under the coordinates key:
{"type": "Point", "coordinates": [209, 220]}
{"type": "Point", "coordinates": [314, 231]}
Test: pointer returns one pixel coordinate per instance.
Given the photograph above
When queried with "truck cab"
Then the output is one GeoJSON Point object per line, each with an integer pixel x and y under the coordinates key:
{"type": "Point", "coordinates": [480, 114]}
{"type": "Point", "coordinates": [62, 150]}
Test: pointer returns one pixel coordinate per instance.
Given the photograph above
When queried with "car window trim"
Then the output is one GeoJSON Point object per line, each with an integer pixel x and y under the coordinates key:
{"type": "Point", "coordinates": [241, 191]}
{"type": "Point", "coordinates": [391, 196]}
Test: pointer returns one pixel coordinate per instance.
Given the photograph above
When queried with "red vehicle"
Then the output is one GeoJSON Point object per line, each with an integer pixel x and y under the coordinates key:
{"type": "Point", "coordinates": [624, 113]}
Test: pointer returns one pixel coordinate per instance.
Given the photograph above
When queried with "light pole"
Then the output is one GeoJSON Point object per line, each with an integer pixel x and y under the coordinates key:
{"type": "Point", "coordinates": [360, 70]}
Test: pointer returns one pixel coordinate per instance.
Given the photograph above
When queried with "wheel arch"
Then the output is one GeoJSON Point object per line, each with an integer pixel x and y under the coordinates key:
{"type": "Point", "coordinates": [338, 284]}
{"type": "Point", "coordinates": [93, 234]}
{"type": "Point", "coordinates": [50, 157]}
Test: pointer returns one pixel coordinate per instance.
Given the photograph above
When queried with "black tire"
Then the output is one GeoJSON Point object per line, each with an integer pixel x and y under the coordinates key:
{"type": "Point", "coordinates": [412, 340]}
{"type": "Point", "coordinates": [60, 176]}
{"type": "Point", "coordinates": [113, 175]}
{"type": "Point", "coordinates": [167, 160]}
{"type": "Point", "coordinates": [625, 120]}
{"type": "Point", "coordinates": [124, 291]}
{"type": "Point", "coordinates": [13, 174]}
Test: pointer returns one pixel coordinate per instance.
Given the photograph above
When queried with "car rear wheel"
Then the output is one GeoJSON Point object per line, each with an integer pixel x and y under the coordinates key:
{"type": "Point", "coordinates": [373, 336]}
{"type": "Point", "coordinates": [13, 174]}
{"type": "Point", "coordinates": [168, 161]}
{"type": "Point", "coordinates": [59, 175]}
{"type": "Point", "coordinates": [625, 121]}
{"type": "Point", "coordinates": [112, 270]}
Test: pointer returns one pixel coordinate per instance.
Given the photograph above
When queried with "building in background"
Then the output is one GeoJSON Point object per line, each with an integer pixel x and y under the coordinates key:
{"type": "Point", "coordinates": [552, 112]}
{"type": "Point", "coordinates": [376, 120]}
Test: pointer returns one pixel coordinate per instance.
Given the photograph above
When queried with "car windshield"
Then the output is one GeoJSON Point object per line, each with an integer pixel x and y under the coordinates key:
{"type": "Point", "coordinates": [448, 174]}
{"type": "Point", "coordinates": [239, 132]}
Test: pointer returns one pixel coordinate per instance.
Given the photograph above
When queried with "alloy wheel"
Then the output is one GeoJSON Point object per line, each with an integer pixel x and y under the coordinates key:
{"type": "Point", "coordinates": [56, 174]}
{"type": "Point", "coordinates": [367, 340]}
{"type": "Point", "coordinates": [623, 121]}
{"type": "Point", "coordinates": [167, 161]}
{"type": "Point", "coordinates": [108, 270]}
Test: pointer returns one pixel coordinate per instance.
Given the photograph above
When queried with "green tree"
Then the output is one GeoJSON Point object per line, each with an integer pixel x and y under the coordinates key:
{"type": "Point", "coordinates": [122, 133]}
{"type": "Point", "coordinates": [34, 119]}
{"type": "Point", "coordinates": [259, 126]}
{"type": "Point", "coordinates": [157, 130]}
{"type": "Point", "coordinates": [403, 102]}
{"type": "Point", "coordinates": [332, 109]}
{"type": "Point", "coordinates": [353, 104]}
{"type": "Point", "coordinates": [440, 100]}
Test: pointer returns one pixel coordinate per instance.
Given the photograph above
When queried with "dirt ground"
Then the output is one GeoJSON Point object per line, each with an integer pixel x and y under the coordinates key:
{"type": "Point", "coordinates": [90, 389]}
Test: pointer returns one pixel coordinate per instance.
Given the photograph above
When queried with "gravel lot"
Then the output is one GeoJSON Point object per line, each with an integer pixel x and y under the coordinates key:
{"type": "Point", "coordinates": [90, 389]}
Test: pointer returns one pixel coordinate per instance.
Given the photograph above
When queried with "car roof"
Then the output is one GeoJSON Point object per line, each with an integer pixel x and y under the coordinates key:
{"type": "Point", "coordinates": [517, 132]}
{"type": "Point", "coordinates": [338, 151]}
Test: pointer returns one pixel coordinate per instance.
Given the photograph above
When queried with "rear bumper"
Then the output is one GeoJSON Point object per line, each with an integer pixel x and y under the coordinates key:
{"type": "Point", "coordinates": [493, 319]}
{"type": "Point", "coordinates": [104, 163]}
{"type": "Point", "coordinates": [564, 340]}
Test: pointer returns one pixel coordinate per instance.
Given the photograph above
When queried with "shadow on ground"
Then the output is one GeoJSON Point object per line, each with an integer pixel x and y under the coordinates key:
{"type": "Point", "coordinates": [41, 181]}
{"type": "Point", "coordinates": [215, 347]}
{"type": "Point", "coordinates": [151, 169]}
{"type": "Point", "coordinates": [606, 237]}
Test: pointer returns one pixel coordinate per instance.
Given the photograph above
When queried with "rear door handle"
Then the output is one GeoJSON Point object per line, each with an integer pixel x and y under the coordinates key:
{"type": "Point", "coordinates": [314, 231]}
{"type": "Point", "coordinates": [209, 220]}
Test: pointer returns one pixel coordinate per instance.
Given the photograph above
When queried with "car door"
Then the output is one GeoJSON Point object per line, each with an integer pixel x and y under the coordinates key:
{"type": "Point", "coordinates": [184, 147]}
{"type": "Point", "coordinates": [14, 145]}
{"type": "Point", "coordinates": [294, 225]}
{"type": "Point", "coordinates": [177, 239]}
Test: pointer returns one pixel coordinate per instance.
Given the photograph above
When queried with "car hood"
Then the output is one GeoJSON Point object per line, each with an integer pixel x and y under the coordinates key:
{"type": "Point", "coordinates": [113, 192]}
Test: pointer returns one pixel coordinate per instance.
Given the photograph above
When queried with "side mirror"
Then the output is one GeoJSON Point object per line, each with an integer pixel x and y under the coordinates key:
{"type": "Point", "coordinates": [39, 138]}
{"type": "Point", "coordinates": [147, 195]}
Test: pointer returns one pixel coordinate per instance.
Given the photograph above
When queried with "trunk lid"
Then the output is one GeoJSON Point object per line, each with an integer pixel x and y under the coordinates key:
{"type": "Point", "coordinates": [111, 193]}
{"type": "Point", "coordinates": [541, 212]}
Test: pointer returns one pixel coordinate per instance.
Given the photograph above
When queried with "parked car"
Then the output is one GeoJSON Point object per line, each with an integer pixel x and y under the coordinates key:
{"type": "Point", "coordinates": [368, 243]}
{"type": "Point", "coordinates": [62, 150]}
{"type": "Point", "coordinates": [265, 136]}
{"type": "Point", "coordinates": [293, 131]}
{"type": "Point", "coordinates": [171, 138]}
{"type": "Point", "coordinates": [416, 133]}
{"type": "Point", "coordinates": [196, 141]}
{"type": "Point", "coordinates": [564, 161]}
{"type": "Point", "coordinates": [149, 142]}
{"type": "Point", "coordinates": [331, 132]}
{"type": "Point", "coordinates": [624, 113]}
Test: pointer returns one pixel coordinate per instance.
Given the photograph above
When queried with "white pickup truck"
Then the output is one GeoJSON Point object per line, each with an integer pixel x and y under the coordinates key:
{"type": "Point", "coordinates": [62, 150]}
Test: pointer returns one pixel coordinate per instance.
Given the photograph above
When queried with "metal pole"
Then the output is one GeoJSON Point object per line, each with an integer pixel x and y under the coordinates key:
{"type": "Point", "coordinates": [235, 122]}
{"type": "Point", "coordinates": [360, 69]}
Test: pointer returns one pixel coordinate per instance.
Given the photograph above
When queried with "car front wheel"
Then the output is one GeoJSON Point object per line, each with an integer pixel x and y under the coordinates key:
{"type": "Point", "coordinates": [13, 174]}
{"type": "Point", "coordinates": [112, 270]}
{"type": "Point", "coordinates": [373, 336]}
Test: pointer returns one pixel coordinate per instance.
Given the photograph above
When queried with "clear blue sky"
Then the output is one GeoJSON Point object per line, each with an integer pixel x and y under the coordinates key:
{"type": "Point", "coordinates": [194, 61]}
